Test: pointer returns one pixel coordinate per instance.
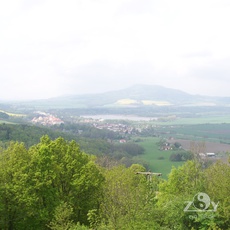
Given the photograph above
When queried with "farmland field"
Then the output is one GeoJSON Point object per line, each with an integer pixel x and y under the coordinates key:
{"type": "Point", "coordinates": [152, 156]}
{"type": "Point", "coordinates": [215, 137]}
{"type": "Point", "coordinates": [208, 119]}
{"type": "Point", "coordinates": [6, 122]}
{"type": "Point", "coordinates": [204, 132]}
{"type": "Point", "coordinates": [212, 147]}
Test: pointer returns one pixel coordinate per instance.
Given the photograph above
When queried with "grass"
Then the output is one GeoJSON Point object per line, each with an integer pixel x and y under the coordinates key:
{"type": "Point", "coordinates": [208, 132]}
{"type": "Point", "coordinates": [153, 157]}
{"type": "Point", "coordinates": [195, 120]}
{"type": "Point", "coordinates": [6, 122]}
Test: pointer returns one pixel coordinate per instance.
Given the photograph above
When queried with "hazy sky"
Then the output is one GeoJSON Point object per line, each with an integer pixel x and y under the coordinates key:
{"type": "Point", "coordinates": [51, 47]}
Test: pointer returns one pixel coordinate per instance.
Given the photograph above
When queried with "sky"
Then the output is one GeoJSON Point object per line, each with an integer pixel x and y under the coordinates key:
{"type": "Point", "coordinates": [50, 48]}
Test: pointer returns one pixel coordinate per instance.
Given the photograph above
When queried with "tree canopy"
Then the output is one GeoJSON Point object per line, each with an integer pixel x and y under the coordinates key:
{"type": "Point", "coordinates": [55, 185]}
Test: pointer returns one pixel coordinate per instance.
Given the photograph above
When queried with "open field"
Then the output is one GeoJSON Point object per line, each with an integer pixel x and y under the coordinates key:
{"type": "Point", "coordinates": [204, 132]}
{"type": "Point", "coordinates": [208, 119]}
{"type": "Point", "coordinates": [152, 154]}
{"type": "Point", "coordinates": [164, 166]}
{"type": "Point", "coordinates": [211, 147]}
{"type": "Point", "coordinates": [13, 114]}
{"type": "Point", "coordinates": [6, 122]}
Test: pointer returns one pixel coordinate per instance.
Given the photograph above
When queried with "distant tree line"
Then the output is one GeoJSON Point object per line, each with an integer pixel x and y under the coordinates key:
{"type": "Point", "coordinates": [4, 116]}
{"type": "Point", "coordinates": [88, 131]}
{"type": "Point", "coordinates": [95, 144]}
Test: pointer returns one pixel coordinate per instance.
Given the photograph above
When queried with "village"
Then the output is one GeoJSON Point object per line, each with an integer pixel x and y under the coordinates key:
{"type": "Point", "coordinates": [46, 119]}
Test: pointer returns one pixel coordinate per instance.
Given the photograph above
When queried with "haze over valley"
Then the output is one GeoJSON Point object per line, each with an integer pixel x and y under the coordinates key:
{"type": "Point", "coordinates": [99, 46]}
{"type": "Point", "coordinates": [114, 115]}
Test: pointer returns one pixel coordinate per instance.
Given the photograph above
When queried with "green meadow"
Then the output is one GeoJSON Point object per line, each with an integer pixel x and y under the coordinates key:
{"type": "Point", "coordinates": [6, 122]}
{"type": "Point", "coordinates": [208, 119]}
{"type": "Point", "coordinates": [157, 160]}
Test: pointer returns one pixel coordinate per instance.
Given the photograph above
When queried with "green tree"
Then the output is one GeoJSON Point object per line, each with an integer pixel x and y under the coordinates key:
{"type": "Point", "coordinates": [15, 197]}
{"type": "Point", "coordinates": [64, 173]}
{"type": "Point", "coordinates": [182, 184]}
{"type": "Point", "coordinates": [35, 182]}
{"type": "Point", "coordinates": [4, 116]}
{"type": "Point", "coordinates": [128, 199]}
{"type": "Point", "coordinates": [217, 184]}
{"type": "Point", "coordinates": [62, 217]}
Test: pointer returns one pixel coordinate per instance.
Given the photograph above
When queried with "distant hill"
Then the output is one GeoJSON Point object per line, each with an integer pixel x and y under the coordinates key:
{"type": "Point", "coordinates": [135, 96]}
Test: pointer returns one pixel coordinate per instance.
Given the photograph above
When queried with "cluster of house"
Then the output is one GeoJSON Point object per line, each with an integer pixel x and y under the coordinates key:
{"type": "Point", "coordinates": [166, 146]}
{"type": "Point", "coordinates": [204, 155]}
{"type": "Point", "coordinates": [169, 146]}
{"type": "Point", "coordinates": [46, 119]}
{"type": "Point", "coordinates": [121, 128]}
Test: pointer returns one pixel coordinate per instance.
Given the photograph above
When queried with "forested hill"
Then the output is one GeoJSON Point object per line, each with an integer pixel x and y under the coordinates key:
{"type": "Point", "coordinates": [135, 96]}
{"type": "Point", "coordinates": [28, 134]}
{"type": "Point", "coordinates": [91, 140]}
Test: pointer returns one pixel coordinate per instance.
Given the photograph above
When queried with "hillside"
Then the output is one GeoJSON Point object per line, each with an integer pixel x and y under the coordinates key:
{"type": "Point", "coordinates": [135, 96]}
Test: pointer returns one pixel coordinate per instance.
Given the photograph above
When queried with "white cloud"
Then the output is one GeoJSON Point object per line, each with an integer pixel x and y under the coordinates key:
{"type": "Point", "coordinates": [49, 48]}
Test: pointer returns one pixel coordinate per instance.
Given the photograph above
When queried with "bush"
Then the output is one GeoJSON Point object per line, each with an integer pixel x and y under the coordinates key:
{"type": "Point", "coordinates": [180, 156]}
{"type": "Point", "coordinates": [161, 158]}
{"type": "Point", "coordinates": [175, 157]}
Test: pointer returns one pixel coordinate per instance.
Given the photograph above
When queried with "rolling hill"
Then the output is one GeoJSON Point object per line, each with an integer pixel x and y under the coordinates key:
{"type": "Point", "coordinates": [135, 96]}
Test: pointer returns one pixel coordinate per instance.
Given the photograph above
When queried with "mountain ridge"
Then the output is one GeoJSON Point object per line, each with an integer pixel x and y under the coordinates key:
{"type": "Point", "coordinates": [134, 96]}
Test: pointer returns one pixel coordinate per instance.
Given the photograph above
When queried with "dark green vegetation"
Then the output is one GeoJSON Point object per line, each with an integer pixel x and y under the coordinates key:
{"type": "Point", "coordinates": [4, 116]}
{"type": "Point", "coordinates": [91, 140]}
{"type": "Point", "coordinates": [27, 134]}
{"type": "Point", "coordinates": [37, 181]}
{"type": "Point", "coordinates": [54, 185]}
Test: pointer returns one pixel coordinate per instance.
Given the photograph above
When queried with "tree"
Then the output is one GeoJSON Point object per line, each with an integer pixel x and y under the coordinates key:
{"type": "Point", "coordinates": [128, 199]}
{"type": "Point", "coordinates": [15, 197]}
{"type": "Point", "coordinates": [62, 217]}
{"type": "Point", "coordinates": [35, 182]}
{"type": "Point", "coordinates": [181, 156]}
{"type": "Point", "coordinates": [217, 185]}
{"type": "Point", "coordinates": [182, 184]}
{"type": "Point", "coordinates": [4, 116]}
{"type": "Point", "coordinates": [177, 145]}
{"type": "Point", "coordinates": [64, 173]}
{"type": "Point", "coordinates": [175, 157]}
{"type": "Point", "coordinates": [196, 148]}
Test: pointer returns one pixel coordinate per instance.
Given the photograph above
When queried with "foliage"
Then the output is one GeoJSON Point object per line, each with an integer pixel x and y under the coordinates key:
{"type": "Point", "coordinates": [177, 145]}
{"type": "Point", "coordinates": [181, 156]}
{"type": "Point", "coordinates": [217, 184]}
{"type": "Point", "coordinates": [132, 148]}
{"type": "Point", "coordinates": [35, 183]}
{"type": "Point", "coordinates": [55, 185]}
{"type": "Point", "coordinates": [160, 158]}
{"type": "Point", "coordinates": [62, 217]}
{"type": "Point", "coordinates": [182, 182]}
{"type": "Point", "coordinates": [182, 186]}
{"type": "Point", "coordinates": [4, 116]}
{"type": "Point", "coordinates": [128, 199]}
{"type": "Point", "coordinates": [87, 131]}
{"type": "Point", "coordinates": [30, 135]}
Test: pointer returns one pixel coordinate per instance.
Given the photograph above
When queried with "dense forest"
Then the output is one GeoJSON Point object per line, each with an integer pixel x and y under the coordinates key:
{"type": "Point", "coordinates": [55, 185]}
{"type": "Point", "coordinates": [91, 140]}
